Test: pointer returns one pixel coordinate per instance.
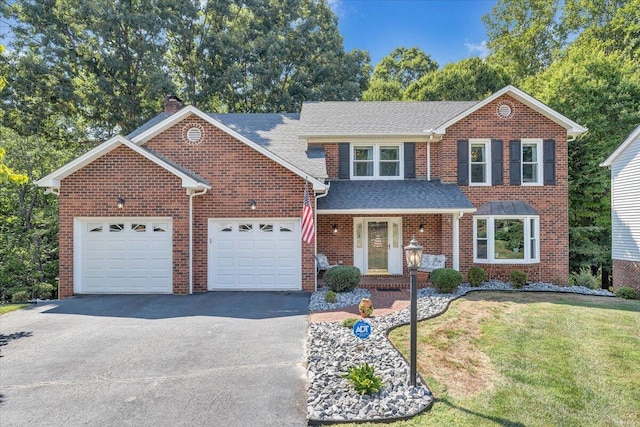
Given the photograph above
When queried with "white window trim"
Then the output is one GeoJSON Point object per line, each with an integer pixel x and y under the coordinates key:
{"type": "Point", "coordinates": [538, 143]}
{"type": "Point", "coordinates": [491, 239]}
{"type": "Point", "coordinates": [487, 150]}
{"type": "Point", "coordinates": [376, 161]}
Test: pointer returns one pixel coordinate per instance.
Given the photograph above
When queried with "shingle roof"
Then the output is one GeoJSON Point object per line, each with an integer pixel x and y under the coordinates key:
{"type": "Point", "coordinates": [507, 208]}
{"type": "Point", "coordinates": [278, 133]}
{"type": "Point", "coordinates": [377, 118]}
{"type": "Point", "coordinates": [382, 195]}
{"type": "Point", "coordinates": [148, 125]}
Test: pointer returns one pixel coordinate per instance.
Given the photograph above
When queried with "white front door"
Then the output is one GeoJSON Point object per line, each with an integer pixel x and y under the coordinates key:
{"type": "Point", "coordinates": [378, 245]}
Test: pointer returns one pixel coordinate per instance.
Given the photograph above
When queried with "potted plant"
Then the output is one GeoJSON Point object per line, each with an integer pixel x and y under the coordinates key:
{"type": "Point", "coordinates": [365, 307]}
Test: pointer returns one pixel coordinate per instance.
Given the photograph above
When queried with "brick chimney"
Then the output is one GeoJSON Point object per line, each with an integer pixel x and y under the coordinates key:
{"type": "Point", "coordinates": [172, 104]}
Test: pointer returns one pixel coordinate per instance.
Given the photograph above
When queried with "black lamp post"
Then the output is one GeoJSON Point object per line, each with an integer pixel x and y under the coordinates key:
{"type": "Point", "coordinates": [413, 253]}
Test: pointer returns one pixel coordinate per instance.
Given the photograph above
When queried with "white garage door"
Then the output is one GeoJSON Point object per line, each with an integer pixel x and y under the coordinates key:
{"type": "Point", "coordinates": [254, 254]}
{"type": "Point", "coordinates": [124, 255]}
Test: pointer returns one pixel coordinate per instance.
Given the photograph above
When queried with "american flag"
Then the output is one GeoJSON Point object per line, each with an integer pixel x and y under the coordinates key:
{"type": "Point", "coordinates": [308, 228]}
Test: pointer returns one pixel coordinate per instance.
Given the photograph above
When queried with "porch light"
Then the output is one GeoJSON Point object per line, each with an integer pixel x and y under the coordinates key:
{"type": "Point", "coordinates": [120, 202]}
{"type": "Point", "coordinates": [252, 204]}
{"type": "Point", "coordinates": [413, 252]}
{"type": "Point", "coordinates": [421, 229]}
{"type": "Point", "coordinates": [335, 228]}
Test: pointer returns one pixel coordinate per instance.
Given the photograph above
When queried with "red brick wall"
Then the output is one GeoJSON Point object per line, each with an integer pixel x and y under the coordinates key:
{"type": "Point", "coordinates": [626, 273]}
{"type": "Point", "coordinates": [148, 190]}
{"type": "Point", "coordinates": [550, 200]}
{"type": "Point", "coordinates": [237, 174]}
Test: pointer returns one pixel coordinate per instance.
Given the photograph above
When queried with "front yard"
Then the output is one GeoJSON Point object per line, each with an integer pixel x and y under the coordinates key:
{"type": "Point", "coordinates": [531, 359]}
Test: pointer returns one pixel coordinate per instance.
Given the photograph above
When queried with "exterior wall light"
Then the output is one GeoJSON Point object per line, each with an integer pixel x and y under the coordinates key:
{"type": "Point", "coordinates": [252, 204]}
{"type": "Point", "coordinates": [421, 229]}
{"type": "Point", "coordinates": [120, 202]}
{"type": "Point", "coordinates": [335, 228]}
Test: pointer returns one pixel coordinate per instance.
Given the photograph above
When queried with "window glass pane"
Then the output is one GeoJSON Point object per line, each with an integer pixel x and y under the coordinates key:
{"type": "Point", "coordinates": [396, 236]}
{"type": "Point", "coordinates": [159, 227]}
{"type": "Point", "coordinates": [245, 228]}
{"type": "Point", "coordinates": [116, 227]}
{"type": "Point", "coordinates": [225, 227]}
{"type": "Point", "coordinates": [364, 169]}
{"type": "Point", "coordinates": [477, 173]}
{"type": "Point", "coordinates": [478, 153]}
{"type": "Point", "coordinates": [481, 229]}
{"type": "Point", "coordinates": [363, 153]}
{"type": "Point", "coordinates": [389, 153]}
{"type": "Point", "coordinates": [267, 228]}
{"type": "Point", "coordinates": [139, 228]}
{"type": "Point", "coordinates": [359, 235]}
{"type": "Point", "coordinates": [389, 169]}
{"type": "Point", "coordinates": [286, 228]}
{"type": "Point", "coordinates": [509, 239]}
{"type": "Point", "coordinates": [482, 249]}
{"type": "Point", "coordinates": [94, 228]}
{"type": "Point", "coordinates": [529, 153]}
{"type": "Point", "coordinates": [529, 173]}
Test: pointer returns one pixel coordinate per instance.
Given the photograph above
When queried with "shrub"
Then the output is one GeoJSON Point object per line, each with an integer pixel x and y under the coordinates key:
{"type": "Point", "coordinates": [349, 322]}
{"type": "Point", "coordinates": [43, 291]}
{"type": "Point", "coordinates": [446, 280]}
{"type": "Point", "coordinates": [627, 293]}
{"type": "Point", "coordinates": [330, 297]}
{"type": "Point", "coordinates": [476, 275]}
{"type": "Point", "coordinates": [342, 278]}
{"type": "Point", "coordinates": [20, 297]}
{"type": "Point", "coordinates": [584, 278]}
{"type": "Point", "coordinates": [518, 279]}
{"type": "Point", "coordinates": [364, 379]}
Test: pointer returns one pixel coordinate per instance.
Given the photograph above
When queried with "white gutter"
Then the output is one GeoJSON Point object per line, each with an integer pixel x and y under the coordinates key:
{"type": "Point", "coordinates": [396, 211]}
{"type": "Point", "coordinates": [192, 193]}
{"type": "Point", "coordinates": [315, 241]}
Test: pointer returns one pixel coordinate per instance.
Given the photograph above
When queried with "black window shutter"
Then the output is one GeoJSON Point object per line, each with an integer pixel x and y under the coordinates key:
{"type": "Point", "coordinates": [409, 160]}
{"type": "Point", "coordinates": [514, 162]}
{"type": "Point", "coordinates": [463, 162]}
{"type": "Point", "coordinates": [343, 160]}
{"type": "Point", "coordinates": [496, 162]}
{"type": "Point", "coordinates": [549, 155]}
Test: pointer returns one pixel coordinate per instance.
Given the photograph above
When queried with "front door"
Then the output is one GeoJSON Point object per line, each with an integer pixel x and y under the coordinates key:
{"type": "Point", "coordinates": [378, 245]}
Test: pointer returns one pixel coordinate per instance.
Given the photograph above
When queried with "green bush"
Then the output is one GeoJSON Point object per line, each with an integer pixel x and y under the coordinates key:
{"type": "Point", "coordinates": [349, 322]}
{"type": "Point", "coordinates": [476, 275]}
{"type": "Point", "coordinates": [20, 297]}
{"type": "Point", "coordinates": [364, 379]}
{"type": "Point", "coordinates": [43, 290]}
{"type": "Point", "coordinates": [518, 279]}
{"type": "Point", "coordinates": [330, 297]}
{"type": "Point", "coordinates": [342, 278]}
{"type": "Point", "coordinates": [584, 278]}
{"type": "Point", "coordinates": [446, 280]}
{"type": "Point", "coordinates": [627, 293]}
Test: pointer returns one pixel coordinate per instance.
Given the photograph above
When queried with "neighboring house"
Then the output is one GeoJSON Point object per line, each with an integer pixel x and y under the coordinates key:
{"type": "Point", "coordinates": [624, 163]}
{"type": "Point", "coordinates": [192, 202]}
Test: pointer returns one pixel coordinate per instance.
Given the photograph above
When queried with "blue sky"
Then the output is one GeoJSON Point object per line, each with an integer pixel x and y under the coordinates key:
{"type": "Point", "coordinates": [447, 30]}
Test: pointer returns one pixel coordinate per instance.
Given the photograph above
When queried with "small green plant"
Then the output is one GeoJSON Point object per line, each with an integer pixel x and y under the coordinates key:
{"type": "Point", "coordinates": [584, 278]}
{"type": "Point", "coordinates": [446, 280]}
{"type": "Point", "coordinates": [349, 322]}
{"type": "Point", "coordinates": [364, 379]}
{"type": "Point", "coordinates": [627, 293]}
{"type": "Point", "coordinates": [476, 275]}
{"type": "Point", "coordinates": [518, 279]}
{"type": "Point", "coordinates": [43, 290]}
{"type": "Point", "coordinates": [342, 278]}
{"type": "Point", "coordinates": [20, 297]}
{"type": "Point", "coordinates": [330, 297]}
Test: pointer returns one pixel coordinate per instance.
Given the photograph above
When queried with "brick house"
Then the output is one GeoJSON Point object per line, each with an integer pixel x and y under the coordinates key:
{"type": "Point", "coordinates": [191, 202]}
{"type": "Point", "coordinates": [624, 163]}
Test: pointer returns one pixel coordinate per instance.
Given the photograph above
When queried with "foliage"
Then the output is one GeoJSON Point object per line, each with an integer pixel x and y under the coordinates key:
{"type": "Point", "coordinates": [6, 174]}
{"type": "Point", "coordinates": [43, 291]}
{"type": "Point", "coordinates": [349, 322]}
{"type": "Point", "coordinates": [518, 279]}
{"type": "Point", "coordinates": [446, 280]}
{"type": "Point", "coordinates": [626, 292]}
{"type": "Point", "coordinates": [330, 297]}
{"type": "Point", "coordinates": [584, 278]}
{"type": "Point", "coordinates": [364, 379]}
{"type": "Point", "coordinates": [476, 275]}
{"type": "Point", "coordinates": [342, 278]}
{"type": "Point", "coordinates": [20, 297]}
{"type": "Point", "coordinates": [7, 308]}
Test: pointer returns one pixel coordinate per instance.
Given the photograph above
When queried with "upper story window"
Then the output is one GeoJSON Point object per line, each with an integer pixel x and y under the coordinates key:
{"type": "Point", "coordinates": [479, 162]}
{"type": "Point", "coordinates": [376, 161]}
{"type": "Point", "coordinates": [531, 161]}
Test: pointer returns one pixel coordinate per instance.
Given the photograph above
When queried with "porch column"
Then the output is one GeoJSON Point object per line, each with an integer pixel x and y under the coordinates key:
{"type": "Point", "coordinates": [455, 252]}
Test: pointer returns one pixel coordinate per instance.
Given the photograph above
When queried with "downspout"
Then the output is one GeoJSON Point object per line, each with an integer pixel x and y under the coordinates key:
{"type": "Point", "coordinates": [456, 241]}
{"type": "Point", "coordinates": [315, 241]}
{"type": "Point", "coordinates": [192, 193]}
{"type": "Point", "coordinates": [430, 132]}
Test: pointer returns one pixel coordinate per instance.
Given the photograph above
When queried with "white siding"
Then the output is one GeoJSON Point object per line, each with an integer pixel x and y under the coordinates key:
{"type": "Point", "coordinates": [625, 201]}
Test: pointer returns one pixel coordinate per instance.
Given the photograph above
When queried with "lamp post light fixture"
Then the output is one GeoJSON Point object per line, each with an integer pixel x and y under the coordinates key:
{"type": "Point", "coordinates": [413, 253]}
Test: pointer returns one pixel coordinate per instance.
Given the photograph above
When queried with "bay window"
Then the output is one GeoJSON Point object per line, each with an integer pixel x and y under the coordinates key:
{"type": "Point", "coordinates": [506, 239]}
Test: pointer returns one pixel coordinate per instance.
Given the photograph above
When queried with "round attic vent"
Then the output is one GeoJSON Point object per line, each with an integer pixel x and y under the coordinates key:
{"type": "Point", "coordinates": [192, 133]}
{"type": "Point", "coordinates": [505, 110]}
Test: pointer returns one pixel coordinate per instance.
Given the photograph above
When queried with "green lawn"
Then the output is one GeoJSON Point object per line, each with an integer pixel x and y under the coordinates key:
{"type": "Point", "coordinates": [530, 359]}
{"type": "Point", "coordinates": [6, 308]}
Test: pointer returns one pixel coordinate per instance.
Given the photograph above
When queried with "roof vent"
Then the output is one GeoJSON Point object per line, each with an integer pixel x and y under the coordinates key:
{"type": "Point", "coordinates": [505, 110]}
{"type": "Point", "coordinates": [192, 133]}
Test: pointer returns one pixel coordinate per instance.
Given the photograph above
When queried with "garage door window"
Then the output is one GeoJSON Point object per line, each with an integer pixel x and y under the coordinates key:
{"type": "Point", "coordinates": [94, 228]}
{"type": "Point", "coordinates": [245, 228]}
{"type": "Point", "coordinates": [286, 228]}
{"type": "Point", "coordinates": [266, 228]}
{"type": "Point", "coordinates": [139, 228]}
{"type": "Point", "coordinates": [226, 228]}
{"type": "Point", "coordinates": [116, 228]}
{"type": "Point", "coordinates": [159, 227]}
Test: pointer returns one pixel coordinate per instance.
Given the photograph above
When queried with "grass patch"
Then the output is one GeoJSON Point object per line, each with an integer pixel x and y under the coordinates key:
{"type": "Point", "coordinates": [530, 359]}
{"type": "Point", "coordinates": [6, 308]}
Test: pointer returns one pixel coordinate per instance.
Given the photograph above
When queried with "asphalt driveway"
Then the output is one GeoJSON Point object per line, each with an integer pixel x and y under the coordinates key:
{"type": "Point", "coordinates": [214, 359]}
